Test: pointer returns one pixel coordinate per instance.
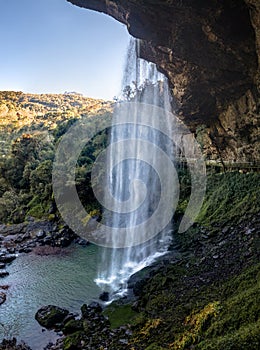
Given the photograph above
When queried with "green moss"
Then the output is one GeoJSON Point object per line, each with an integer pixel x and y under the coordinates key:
{"type": "Point", "coordinates": [230, 196]}
{"type": "Point", "coordinates": [246, 337]}
{"type": "Point", "coordinates": [38, 211]}
{"type": "Point", "coordinates": [155, 346]}
{"type": "Point", "coordinates": [195, 325]}
{"type": "Point", "coordinates": [120, 315]}
{"type": "Point", "coordinates": [73, 341]}
{"type": "Point", "coordinates": [192, 318]}
{"type": "Point", "coordinates": [72, 326]}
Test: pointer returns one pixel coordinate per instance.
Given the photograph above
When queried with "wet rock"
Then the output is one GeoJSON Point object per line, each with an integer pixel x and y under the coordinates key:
{"type": "Point", "coordinates": [69, 317]}
{"type": "Point", "coordinates": [6, 258]}
{"type": "Point", "coordinates": [225, 229]}
{"type": "Point", "coordinates": [104, 296]}
{"type": "Point", "coordinates": [81, 241]}
{"type": "Point", "coordinates": [21, 238]}
{"type": "Point", "coordinates": [3, 273]}
{"type": "Point", "coordinates": [72, 326]}
{"type": "Point", "coordinates": [51, 316]}
{"type": "Point", "coordinates": [2, 265]}
{"type": "Point", "coordinates": [135, 306]}
{"type": "Point", "coordinates": [40, 234]}
{"type": "Point", "coordinates": [2, 297]}
{"type": "Point", "coordinates": [11, 250]}
{"type": "Point", "coordinates": [73, 342]}
{"type": "Point", "coordinates": [12, 229]}
{"type": "Point", "coordinates": [95, 306]}
{"type": "Point", "coordinates": [24, 250]}
{"type": "Point", "coordinates": [47, 240]}
{"type": "Point", "coordinates": [11, 344]}
{"type": "Point", "coordinates": [5, 287]}
{"type": "Point", "coordinates": [85, 311]}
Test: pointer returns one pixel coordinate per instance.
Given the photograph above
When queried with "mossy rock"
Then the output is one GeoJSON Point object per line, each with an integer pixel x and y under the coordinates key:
{"type": "Point", "coordinates": [50, 316]}
{"type": "Point", "coordinates": [73, 342]}
{"type": "Point", "coordinates": [120, 315]}
{"type": "Point", "coordinates": [72, 326]}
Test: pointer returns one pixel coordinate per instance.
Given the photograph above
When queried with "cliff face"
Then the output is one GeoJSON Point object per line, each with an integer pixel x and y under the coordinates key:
{"type": "Point", "coordinates": [210, 51]}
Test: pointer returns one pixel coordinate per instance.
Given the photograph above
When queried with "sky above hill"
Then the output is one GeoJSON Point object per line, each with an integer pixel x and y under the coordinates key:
{"type": "Point", "coordinates": [51, 46]}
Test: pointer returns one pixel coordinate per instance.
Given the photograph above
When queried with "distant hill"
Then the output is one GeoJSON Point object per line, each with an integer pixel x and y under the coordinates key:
{"type": "Point", "coordinates": [30, 128]}
{"type": "Point", "coordinates": [22, 113]}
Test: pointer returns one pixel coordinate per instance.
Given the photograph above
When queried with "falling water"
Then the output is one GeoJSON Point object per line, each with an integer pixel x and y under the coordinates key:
{"type": "Point", "coordinates": [133, 180]}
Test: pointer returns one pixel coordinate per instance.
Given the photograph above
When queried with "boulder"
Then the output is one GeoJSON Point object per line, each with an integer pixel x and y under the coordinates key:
{"type": "Point", "coordinates": [72, 326]}
{"type": "Point", "coordinates": [11, 344]}
{"type": "Point", "coordinates": [81, 241]}
{"type": "Point", "coordinates": [104, 296]}
{"type": "Point", "coordinates": [95, 306]}
{"type": "Point", "coordinates": [40, 234]}
{"type": "Point", "coordinates": [51, 316]}
{"type": "Point", "coordinates": [3, 273]}
{"type": "Point", "coordinates": [10, 230]}
{"type": "Point", "coordinates": [2, 297]}
{"type": "Point", "coordinates": [6, 258]}
{"type": "Point", "coordinates": [91, 310]}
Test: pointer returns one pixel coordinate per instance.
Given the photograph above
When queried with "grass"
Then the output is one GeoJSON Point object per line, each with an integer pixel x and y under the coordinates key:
{"type": "Point", "coordinates": [220, 316]}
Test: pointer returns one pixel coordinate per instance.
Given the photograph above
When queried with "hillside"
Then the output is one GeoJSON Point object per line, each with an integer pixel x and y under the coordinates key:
{"type": "Point", "coordinates": [30, 127]}
{"type": "Point", "coordinates": [22, 113]}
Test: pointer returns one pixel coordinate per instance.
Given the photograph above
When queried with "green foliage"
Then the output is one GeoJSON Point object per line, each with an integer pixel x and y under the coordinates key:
{"type": "Point", "coordinates": [246, 337]}
{"type": "Point", "coordinates": [30, 129]}
{"type": "Point", "coordinates": [73, 341]}
{"type": "Point", "coordinates": [196, 323]}
{"type": "Point", "coordinates": [220, 316]}
{"type": "Point", "coordinates": [155, 346]}
{"type": "Point", "coordinates": [120, 315]}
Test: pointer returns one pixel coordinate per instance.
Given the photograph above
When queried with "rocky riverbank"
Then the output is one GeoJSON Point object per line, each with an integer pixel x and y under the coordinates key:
{"type": "Point", "coordinates": [203, 295]}
{"type": "Point", "coordinates": [40, 237]}
{"type": "Point", "coordinates": [213, 280]}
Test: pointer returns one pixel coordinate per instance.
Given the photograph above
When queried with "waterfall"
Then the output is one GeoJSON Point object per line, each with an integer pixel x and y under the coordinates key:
{"type": "Point", "coordinates": [133, 175]}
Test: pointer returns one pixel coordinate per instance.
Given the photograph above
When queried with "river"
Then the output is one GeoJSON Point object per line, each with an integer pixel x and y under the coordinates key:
{"type": "Point", "coordinates": [65, 280]}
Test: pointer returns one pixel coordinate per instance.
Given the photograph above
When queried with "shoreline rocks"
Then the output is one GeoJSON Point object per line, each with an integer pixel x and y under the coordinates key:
{"type": "Point", "coordinates": [3, 273]}
{"type": "Point", "coordinates": [91, 331]}
{"type": "Point", "coordinates": [23, 238]}
{"type": "Point", "coordinates": [2, 297]}
{"type": "Point", "coordinates": [11, 344]}
{"type": "Point", "coordinates": [6, 258]}
{"type": "Point", "coordinates": [51, 317]}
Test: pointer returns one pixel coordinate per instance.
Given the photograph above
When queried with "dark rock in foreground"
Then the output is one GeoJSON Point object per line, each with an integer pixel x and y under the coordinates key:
{"type": "Point", "coordinates": [50, 316]}
{"type": "Point", "coordinates": [6, 258]}
{"type": "Point", "coordinates": [2, 297]}
{"type": "Point", "coordinates": [104, 296]}
{"type": "Point", "coordinates": [3, 273]}
{"type": "Point", "coordinates": [11, 344]}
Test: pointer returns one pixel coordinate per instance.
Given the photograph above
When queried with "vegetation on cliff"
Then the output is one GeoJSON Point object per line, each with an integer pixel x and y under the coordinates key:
{"type": "Point", "coordinates": [206, 293]}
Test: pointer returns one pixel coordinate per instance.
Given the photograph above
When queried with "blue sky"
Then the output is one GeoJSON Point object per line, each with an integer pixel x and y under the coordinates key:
{"type": "Point", "coordinates": [53, 46]}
